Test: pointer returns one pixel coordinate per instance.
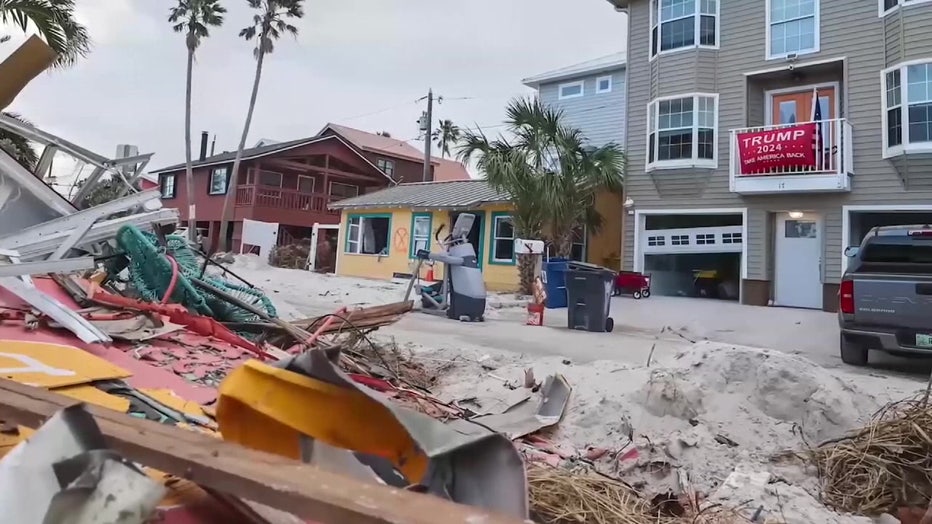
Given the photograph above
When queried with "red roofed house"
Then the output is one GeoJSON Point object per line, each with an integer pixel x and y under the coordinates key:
{"type": "Point", "coordinates": [292, 183]}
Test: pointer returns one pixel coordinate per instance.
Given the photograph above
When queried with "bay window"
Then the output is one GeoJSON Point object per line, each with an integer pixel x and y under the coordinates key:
{"type": "Point", "coordinates": [888, 6]}
{"type": "Point", "coordinates": [792, 27]}
{"type": "Point", "coordinates": [682, 132]}
{"type": "Point", "coordinates": [683, 24]}
{"type": "Point", "coordinates": [907, 108]}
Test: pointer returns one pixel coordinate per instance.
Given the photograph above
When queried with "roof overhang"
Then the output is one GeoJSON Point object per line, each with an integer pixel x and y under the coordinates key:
{"type": "Point", "coordinates": [417, 207]}
{"type": "Point", "coordinates": [567, 73]}
{"type": "Point", "coordinates": [620, 5]}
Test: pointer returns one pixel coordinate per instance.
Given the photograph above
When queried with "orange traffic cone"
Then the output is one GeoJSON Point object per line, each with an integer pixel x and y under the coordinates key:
{"type": "Point", "coordinates": [430, 274]}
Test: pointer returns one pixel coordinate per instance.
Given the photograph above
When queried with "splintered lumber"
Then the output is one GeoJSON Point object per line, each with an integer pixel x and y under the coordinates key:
{"type": "Point", "coordinates": [267, 479]}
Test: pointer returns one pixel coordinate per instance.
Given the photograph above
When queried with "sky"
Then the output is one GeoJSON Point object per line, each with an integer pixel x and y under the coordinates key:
{"type": "Point", "coordinates": [360, 63]}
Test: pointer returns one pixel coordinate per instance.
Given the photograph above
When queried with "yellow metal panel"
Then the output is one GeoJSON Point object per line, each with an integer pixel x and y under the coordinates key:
{"type": "Point", "coordinates": [52, 365]}
{"type": "Point", "coordinates": [170, 399]}
{"type": "Point", "coordinates": [92, 395]}
{"type": "Point", "coordinates": [268, 409]}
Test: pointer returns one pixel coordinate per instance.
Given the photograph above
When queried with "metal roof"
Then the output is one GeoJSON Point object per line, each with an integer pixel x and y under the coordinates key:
{"type": "Point", "coordinates": [597, 65]}
{"type": "Point", "coordinates": [454, 194]}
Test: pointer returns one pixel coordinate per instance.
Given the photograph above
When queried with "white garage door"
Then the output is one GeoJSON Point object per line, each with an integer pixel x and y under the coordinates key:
{"type": "Point", "coordinates": [724, 239]}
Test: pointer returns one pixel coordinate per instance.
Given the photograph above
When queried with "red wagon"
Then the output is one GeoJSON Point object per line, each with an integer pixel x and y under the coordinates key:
{"type": "Point", "coordinates": [632, 283]}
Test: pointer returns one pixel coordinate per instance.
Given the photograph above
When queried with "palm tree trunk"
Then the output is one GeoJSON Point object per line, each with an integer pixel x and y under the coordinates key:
{"type": "Point", "coordinates": [526, 274]}
{"type": "Point", "coordinates": [189, 170]}
{"type": "Point", "coordinates": [234, 176]}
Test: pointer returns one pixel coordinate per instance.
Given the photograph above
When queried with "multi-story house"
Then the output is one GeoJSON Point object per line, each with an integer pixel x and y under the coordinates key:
{"type": "Point", "coordinates": [591, 97]}
{"type": "Point", "coordinates": [766, 136]}
{"type": "Point", "coordinates": [292, 183]}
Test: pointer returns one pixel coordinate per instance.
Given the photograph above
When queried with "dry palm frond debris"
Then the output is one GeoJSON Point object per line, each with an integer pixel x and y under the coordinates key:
{"type": "Point", "coordinates": [565, 496]}
{"type": "Point", "coordinates": [883, 466]}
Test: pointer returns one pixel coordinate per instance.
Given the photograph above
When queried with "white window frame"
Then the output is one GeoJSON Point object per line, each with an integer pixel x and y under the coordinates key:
{"type": "Point", "coordinates": [906, 147]}
{"type": "Point", "coordinates": [330, 189]}
{"type": "Point", "coordinates": [655, 8]}
{"type": "Point", "coordinates": [386, 166]}
{"type": "Point", "coordinates": [598, 83]}
{"type": "Point", "coordinates": [415, 238]}
{"type": "Point", "coordinates": [163, 184]}
{"type": "Point", "coordinates": [578, 83]}
{"type": "Point", "coordinates": [653, 117]}
{"type": "Point", "coordinates": [226, 182]}
{"type": "Point", "coordinates": [817, 39]}
{"type": "Point", "coordinates": [902, 3]}
{"type": "Point", "coordinates": [495, 238]}
{"type": "Point", "coordinates": [360, 231]}
{"type": "Point", "coordinates": [313, 183]}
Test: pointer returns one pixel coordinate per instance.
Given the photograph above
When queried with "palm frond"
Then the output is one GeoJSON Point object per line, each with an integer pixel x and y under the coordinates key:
{"type": "Point", "coordinates": [18, 146]}
{"type": "Point", "coordinates": [55, 22]}
{"type": "Point", "coordinates": [195, 18]}
{"type": "Point", "coordinates": [272, 22]}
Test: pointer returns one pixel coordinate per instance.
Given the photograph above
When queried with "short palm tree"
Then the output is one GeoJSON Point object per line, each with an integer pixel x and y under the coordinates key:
{"type": "Point", "coordinates": [270, 22]}
{"type": "Point", "coordinates": [18, 146]}
{"type": "Point", "coordinates": [446, 135]}
{"type": "Point", "coordinates": [550, 172]}
{"type": "Point", "coordinates": [194, 18]}
{"type": "Point", "coordinates": [54, 20]}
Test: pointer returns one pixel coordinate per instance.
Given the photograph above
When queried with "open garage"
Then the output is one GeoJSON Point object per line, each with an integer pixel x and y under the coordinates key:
{"type": "Point", "coordinates": [692, 255]}
{"type": "Point", "coordinates": [857, 221]}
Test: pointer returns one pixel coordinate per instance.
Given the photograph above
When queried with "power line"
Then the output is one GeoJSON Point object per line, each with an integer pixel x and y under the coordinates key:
{"type": "Point", "coordinates": [380, 111]}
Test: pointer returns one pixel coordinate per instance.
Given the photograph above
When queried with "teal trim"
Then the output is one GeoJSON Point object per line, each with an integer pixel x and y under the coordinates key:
{"type": "Point", "coordinates": [483, 216]}
{"type": "Point", "coordinates": [430, 231]}
{"type": "Point", "coordinates": [388, 244]}
{"type": "Point", "coordinates": [492, 260]}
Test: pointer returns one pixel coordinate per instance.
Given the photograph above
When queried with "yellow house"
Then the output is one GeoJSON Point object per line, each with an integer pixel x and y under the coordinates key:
{"type": "Point", "coordinates": [380, 232]}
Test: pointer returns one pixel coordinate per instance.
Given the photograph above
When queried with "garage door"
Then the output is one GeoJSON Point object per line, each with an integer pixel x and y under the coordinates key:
{"type": "Point", "coordinates": [700, 262]}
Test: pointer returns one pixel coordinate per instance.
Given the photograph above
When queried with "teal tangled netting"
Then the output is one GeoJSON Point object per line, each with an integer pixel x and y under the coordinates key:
{"type": "Point", "coordinates": [150, 272]}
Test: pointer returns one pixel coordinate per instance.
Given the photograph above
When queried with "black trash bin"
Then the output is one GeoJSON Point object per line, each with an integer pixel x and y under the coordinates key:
{"type": "Point", "coordinates": [589, 294]}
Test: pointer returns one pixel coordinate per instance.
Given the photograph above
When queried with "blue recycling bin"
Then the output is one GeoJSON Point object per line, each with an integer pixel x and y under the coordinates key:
{"type": "Point", "coordinates": [555, 281]}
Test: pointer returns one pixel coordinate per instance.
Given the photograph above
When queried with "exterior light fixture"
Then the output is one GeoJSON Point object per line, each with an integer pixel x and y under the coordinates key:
{"type": "Point", "coordinates": [796, 215]}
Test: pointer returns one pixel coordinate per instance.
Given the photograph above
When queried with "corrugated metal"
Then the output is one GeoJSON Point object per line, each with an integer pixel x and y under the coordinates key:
{"type": "Point", "coordinates": [434, 195]}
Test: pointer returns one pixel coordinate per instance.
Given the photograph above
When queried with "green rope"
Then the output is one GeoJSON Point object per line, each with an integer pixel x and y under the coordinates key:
{"type": "Point", "coordinates": [151, 272]}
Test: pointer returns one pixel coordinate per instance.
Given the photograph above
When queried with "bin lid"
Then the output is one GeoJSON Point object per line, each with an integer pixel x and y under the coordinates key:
{"type": "Point", "coordinates": [583, 266]}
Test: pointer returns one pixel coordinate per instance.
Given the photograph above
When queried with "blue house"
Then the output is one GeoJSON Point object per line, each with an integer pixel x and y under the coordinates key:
{"type": "Point", "coordinates": [591, 95]}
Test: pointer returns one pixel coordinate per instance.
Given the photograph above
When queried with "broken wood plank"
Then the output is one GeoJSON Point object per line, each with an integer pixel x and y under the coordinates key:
{"type": "Point", "coordinates": [274, 481]}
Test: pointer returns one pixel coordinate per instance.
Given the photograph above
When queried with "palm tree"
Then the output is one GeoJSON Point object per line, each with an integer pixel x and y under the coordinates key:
{"type": "Point", "coordinates": [54, 20]}
{"type": "Point", "coordinates": [445, 135]}
{"type": "Point", "coordinates": [550, 173]}
{"type": "Point", "coordinates": [18, 146]}
{"type": "Point", "coordinates": [194, 18]}
{"type": "Point", "coordinates": [269, 23]}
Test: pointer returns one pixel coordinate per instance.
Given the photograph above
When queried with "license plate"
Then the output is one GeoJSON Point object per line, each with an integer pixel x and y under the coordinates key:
{"type": "Point", "coordinates": [924, 341]}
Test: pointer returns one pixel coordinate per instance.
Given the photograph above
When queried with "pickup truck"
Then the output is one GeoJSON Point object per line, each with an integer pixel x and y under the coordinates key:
{"type": "Point", "coordinates": [885, 297]}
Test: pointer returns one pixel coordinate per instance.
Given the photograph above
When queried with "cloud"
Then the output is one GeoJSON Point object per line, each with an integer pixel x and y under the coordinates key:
{"type": "Point", "coordinates": [358, 62]}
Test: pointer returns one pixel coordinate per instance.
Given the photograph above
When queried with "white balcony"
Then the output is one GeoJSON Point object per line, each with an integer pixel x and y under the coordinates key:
{"type": "Point", "coordinates": [778, 159]}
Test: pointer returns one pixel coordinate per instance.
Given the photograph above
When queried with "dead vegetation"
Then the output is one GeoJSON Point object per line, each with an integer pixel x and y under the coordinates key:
{"type": "Point", "coordinates": [883, 466]}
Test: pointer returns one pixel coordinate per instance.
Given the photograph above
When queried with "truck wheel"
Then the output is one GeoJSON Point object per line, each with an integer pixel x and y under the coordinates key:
{"type": "Point", "coordinates": [853, 353]}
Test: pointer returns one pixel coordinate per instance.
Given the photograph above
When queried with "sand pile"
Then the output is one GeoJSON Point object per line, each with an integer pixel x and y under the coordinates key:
{"type": "Point", "coordinates": [705, 410]}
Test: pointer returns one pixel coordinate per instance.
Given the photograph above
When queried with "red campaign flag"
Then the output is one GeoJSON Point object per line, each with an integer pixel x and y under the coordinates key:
{"type": "Point", "coordinates": [777, 151]}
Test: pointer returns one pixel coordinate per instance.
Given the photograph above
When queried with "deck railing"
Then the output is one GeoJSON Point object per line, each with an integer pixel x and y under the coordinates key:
{"type": "Point", "coordinates": [277, 198]}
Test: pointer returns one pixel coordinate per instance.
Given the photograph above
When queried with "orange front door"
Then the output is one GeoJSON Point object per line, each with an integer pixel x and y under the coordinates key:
{"type": "Point", "coordinates": [790, 108]}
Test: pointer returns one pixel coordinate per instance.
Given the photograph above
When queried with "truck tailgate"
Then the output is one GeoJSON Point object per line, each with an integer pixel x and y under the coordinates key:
{"type": "Point", "coordinates": [896, 301]}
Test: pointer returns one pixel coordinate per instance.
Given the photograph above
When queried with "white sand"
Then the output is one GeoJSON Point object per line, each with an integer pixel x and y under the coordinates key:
{"type": "Point", "coordinates": [765, 401]}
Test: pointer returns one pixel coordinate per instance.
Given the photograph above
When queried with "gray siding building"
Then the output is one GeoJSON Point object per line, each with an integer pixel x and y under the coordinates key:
{"type": "Point", "coordinates": [765, 136]}
{"type": "Point", "coordinates": [590, 94]}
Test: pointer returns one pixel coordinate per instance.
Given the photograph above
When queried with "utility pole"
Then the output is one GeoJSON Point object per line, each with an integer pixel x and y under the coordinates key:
{"type": "Point", "coordinates": [427, 132]}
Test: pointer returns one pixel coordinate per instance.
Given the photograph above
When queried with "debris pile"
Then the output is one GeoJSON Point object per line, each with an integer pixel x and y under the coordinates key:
{"type": "Point", "coordinates": [291, 256]}
{"type": "Point", "coordinates": [883, 466]}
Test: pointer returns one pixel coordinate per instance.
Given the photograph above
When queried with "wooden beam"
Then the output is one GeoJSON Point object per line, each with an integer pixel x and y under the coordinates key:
{"type": "Point", "coordinates": [317, 170]}
{"type": "Point", "coordinates": [277, 482]}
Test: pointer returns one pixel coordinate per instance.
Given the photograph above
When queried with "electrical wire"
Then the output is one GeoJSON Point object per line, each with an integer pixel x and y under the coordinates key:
{"type": "Point", "coordinates": [380, 111]}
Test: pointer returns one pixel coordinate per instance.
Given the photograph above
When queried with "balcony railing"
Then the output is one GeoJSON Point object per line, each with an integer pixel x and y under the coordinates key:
{"type": "Point", "coordinates": [792, 158]}
{"type": "Point", "coordinates": [277, 198]}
